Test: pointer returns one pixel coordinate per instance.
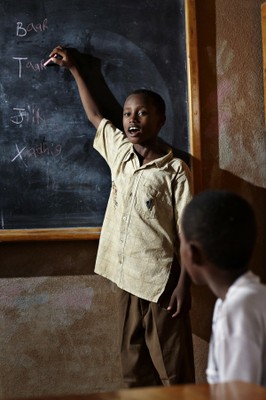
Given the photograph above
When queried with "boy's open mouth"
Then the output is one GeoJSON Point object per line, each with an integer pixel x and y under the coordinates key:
{"type": "Point", "coordinates": [133, 130]}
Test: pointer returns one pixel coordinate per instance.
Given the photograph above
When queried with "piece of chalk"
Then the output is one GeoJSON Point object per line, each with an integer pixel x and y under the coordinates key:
{"type": "Point", "coordinates": [47, 62]}
{"type": "Point", "coordinates": [51, 58]}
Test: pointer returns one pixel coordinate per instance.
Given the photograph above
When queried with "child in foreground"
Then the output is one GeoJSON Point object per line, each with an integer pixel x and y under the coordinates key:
{"type": "Point", "coordinates": [138, 248]}
{"type": "Point", "coordinates": [218, 233]}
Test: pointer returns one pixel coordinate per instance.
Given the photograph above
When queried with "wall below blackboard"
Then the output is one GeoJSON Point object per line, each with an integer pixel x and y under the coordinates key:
{"type": "Point", "coordinates": [58, 332]}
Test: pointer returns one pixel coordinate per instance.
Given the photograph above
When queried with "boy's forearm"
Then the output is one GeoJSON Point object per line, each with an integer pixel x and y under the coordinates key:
{"type": "Point", "coordinates": [184, 279]}
{"type": "Point", "coordinates": [89, 104]}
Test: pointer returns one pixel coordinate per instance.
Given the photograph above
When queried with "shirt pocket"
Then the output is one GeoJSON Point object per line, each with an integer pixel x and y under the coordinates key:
{"type": "Point", "coordinates": [151, 201]}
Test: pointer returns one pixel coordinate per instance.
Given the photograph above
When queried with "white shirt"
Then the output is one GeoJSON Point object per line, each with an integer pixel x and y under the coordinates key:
{"type": "Point", "coordinates": [238, 345]}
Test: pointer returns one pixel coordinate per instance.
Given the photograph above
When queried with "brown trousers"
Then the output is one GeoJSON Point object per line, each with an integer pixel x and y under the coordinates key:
{"type": "Point", "coordinates": [156, 349]}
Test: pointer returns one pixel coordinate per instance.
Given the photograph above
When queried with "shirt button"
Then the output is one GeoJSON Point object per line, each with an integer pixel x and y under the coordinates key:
{"type": "Point", "coordinates": [124, 218]}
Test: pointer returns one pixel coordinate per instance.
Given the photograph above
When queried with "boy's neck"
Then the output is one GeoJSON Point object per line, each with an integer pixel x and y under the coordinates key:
{"type": "Point", "coordinates": [222, 280]}
{"type": "Point", "coordinates": [149, 153]}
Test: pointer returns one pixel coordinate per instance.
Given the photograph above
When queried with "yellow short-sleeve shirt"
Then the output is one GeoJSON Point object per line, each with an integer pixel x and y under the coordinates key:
{"type": "Point", "coordinates": [140, 230]}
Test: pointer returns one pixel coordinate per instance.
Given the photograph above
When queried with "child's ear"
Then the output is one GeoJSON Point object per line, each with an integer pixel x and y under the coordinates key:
{"type": "Point", "coordinates": [163, 119]}
{"type": "Point", "coordinates": [196, 253]}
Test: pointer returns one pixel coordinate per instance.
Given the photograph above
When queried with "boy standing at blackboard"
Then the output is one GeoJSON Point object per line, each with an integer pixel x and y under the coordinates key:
{"type": "Point", "coordinates": [138, 244]}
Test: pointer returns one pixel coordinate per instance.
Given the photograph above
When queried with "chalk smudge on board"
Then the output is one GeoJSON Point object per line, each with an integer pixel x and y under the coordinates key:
{"type": "Point", "coordinates": [2, 220]}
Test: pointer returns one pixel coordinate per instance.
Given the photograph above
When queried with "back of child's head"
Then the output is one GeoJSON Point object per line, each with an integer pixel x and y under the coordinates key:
{"type": "Point", "coordinates": [223, 223]}
{"type": "Point", "coordinates": [154, 97]}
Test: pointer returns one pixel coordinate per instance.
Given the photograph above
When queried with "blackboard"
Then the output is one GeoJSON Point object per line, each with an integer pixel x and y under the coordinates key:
{"type": "Point", "coordinates": [51, 177]}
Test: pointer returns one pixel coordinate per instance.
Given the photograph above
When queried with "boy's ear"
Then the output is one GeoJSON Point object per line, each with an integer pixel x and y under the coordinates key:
{"type": "Point", "coordinates": [163, 120]}
{"type": "Point", "coordinates": [196, 253]}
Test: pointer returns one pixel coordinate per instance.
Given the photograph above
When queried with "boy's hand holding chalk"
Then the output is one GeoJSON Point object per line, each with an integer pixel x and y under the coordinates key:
{"type": "Point", "coordinates": [51, 59]}
{"type": "Point", "coordinates": [67, 57]}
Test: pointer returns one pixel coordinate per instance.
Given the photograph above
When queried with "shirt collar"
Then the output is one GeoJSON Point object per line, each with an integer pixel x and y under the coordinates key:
{"type": "Point", "coordinates": [243, 280]}
{"type": "Point", "coordinates": [159, 162]}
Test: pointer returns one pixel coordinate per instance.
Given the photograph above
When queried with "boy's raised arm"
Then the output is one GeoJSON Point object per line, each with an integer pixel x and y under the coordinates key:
{"type": "Point", "coordinates": [67, 60]}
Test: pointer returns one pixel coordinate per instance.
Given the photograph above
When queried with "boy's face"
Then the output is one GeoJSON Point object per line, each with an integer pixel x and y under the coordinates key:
{"type": "Point", "coordinates": [141, 119]}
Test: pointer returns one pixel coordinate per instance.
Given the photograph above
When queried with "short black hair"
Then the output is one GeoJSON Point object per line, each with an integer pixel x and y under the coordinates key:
{"type": "Point", "coordinates": [224, 224]}
{"type": "Point", "coordinates": [156, 99]}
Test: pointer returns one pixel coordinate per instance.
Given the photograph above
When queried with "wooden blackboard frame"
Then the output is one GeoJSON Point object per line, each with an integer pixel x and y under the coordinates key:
{"type": "Point", "coordinates": [89, 233]}
{"type": "Point", "coordinates": [263, 31]}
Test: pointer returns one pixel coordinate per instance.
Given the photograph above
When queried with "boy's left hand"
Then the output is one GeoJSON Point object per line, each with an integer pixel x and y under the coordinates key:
{"type": "Point", "coordinates": [180, 300]}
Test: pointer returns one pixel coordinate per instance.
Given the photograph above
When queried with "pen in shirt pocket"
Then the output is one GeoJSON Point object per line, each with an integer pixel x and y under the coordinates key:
{"type": "Point", "coordinates": [149, 204]}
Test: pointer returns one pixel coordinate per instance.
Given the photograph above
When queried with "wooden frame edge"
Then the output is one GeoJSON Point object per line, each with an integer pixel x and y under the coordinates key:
{"type": "Point", "coordinates": [263, 32]}
{"type": "Point", "coordinates": [193, 95]}
{"type": "Point", "coordinates": [15, 235]}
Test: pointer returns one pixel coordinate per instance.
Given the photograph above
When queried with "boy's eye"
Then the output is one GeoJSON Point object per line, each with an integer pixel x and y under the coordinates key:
{"type": "Point", "coordinates": [141, 113]}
